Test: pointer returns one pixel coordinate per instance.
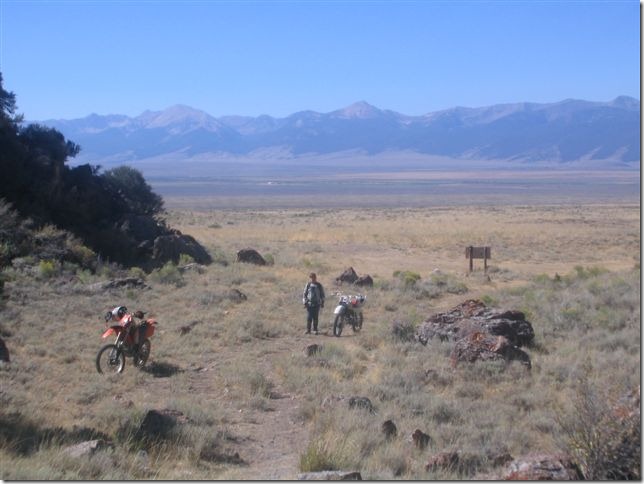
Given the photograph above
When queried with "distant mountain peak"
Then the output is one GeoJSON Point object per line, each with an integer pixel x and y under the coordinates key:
{"type": "Point", "coordinates": [626, 102]}
{"type": "Point", "coordinates": [179, 114]}
{"type": "Point", "coordinates": [359, 110]}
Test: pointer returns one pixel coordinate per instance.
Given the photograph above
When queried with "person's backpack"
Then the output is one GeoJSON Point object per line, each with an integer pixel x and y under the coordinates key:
{"type": "Point", "coordinates": [313, 294]}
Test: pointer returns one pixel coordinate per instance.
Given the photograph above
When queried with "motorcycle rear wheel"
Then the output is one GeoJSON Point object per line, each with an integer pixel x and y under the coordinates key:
{"type": "Point", "coordinates": [142, 356]}
{"type": "Point", "coordinates": [338, 324]}
{"type": "Point", "coordinates": [110, 359]}
{"type": "Point", "coordinates": [357, 323]}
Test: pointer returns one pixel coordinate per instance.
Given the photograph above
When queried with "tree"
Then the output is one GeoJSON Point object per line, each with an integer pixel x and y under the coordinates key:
{"type": "Point", "coordinates": [132, 190]}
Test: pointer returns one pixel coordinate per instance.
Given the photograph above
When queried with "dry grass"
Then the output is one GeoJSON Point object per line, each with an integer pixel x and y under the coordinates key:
{"type": "Point", "coordinates": [241, 377]}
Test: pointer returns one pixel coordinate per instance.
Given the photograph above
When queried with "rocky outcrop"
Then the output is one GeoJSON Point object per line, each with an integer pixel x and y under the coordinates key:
{"type": "Point", "coordinates": [250, 256]}
{"type": "Point", "coordinates": [474, 316]}
{"type": "Point", "coordinates": [170, 247]}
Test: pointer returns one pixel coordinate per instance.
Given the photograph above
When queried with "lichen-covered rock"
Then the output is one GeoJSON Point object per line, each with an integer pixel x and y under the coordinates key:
{"type": "Point", "coordinates": [480, 346]}
{"type": "Point", "coordinates": [473, 316]}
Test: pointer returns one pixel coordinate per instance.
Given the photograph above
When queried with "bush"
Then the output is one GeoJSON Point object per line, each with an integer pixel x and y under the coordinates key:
{"type": "Point", "coordinates": [48, 269]}
{"type": "Point", "coordinates": [408, 278]}
{"type": "Point", "coordinates": [168, 274]}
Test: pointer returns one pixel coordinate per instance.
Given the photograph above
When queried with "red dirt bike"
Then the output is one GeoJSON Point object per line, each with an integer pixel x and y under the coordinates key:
{"type": "Point", "coordinates": [111, 358]}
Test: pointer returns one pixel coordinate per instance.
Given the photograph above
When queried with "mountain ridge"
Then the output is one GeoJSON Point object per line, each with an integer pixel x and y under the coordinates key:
{"type": "Point", "coordinates": [565, 131]}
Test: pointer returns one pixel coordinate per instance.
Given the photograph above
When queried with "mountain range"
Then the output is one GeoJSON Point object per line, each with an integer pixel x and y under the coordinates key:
{"type": "Point", "coordinates": [521, 133]}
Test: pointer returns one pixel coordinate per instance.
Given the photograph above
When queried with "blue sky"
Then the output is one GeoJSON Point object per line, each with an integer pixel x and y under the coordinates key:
{"type": "Point", "coordinates": [67, 59]}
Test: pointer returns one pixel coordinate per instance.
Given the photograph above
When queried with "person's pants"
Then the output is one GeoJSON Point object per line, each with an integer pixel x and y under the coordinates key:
{"type": "Point", "coordinates": [312, 313]}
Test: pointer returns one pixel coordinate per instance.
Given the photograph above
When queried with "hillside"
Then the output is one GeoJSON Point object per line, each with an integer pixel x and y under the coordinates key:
{"type": "Point", "coordinates": [247, 400]}
{"type": "Point", "coordinates": [562, 132]}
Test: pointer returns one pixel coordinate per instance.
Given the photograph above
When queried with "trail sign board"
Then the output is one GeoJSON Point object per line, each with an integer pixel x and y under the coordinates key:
{"type": "Point", "coordinates": [472, 253]}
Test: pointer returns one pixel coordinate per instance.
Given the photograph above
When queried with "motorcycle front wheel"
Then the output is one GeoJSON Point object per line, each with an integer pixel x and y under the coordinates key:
{"type": "Point", "coordinates": [110, 360]}
{"type": "Point", "coordinates": [338, 325]}
{"type": "Point", "coordinates": [357, 323]}
{"type": "Point", "coordinates": [142, 356]}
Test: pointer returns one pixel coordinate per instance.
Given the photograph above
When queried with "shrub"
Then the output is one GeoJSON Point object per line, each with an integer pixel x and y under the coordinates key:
{"type": "Point", "coordinates": [48, 269]}
{"type": "Point", "coordinates": [408, 278]}
{"type": "Point", "coordinates": [605, 445]}
{"type": "Point", "coordinates": [168, 274]}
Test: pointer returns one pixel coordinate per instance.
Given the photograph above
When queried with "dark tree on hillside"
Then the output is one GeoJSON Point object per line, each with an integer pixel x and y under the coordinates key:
{"type": "Point", "coordinates": [133, 191]}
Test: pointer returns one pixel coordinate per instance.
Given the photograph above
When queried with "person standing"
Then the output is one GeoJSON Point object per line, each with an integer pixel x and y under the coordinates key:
{"type": "Point", "coordinates": [313, 300]}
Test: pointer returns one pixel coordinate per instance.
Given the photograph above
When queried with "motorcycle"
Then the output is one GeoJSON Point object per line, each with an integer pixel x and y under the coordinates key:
{"type": "Point", "coordinates": [348, 311]}
{"type": "Point", "coordinates": [111, 357]}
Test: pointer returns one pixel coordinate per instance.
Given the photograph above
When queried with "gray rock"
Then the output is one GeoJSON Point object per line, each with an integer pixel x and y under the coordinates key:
{"type": "Point", "coordinates": [86, 448]}
{"type": "Point", "coordinates": [250, 256]}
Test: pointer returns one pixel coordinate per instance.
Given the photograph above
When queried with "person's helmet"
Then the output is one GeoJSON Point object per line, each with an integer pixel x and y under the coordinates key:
{"type": "Point", "coordinates": [118, 312]}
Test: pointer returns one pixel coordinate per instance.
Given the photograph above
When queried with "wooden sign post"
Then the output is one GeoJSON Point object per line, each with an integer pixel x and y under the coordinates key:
{"type": "Point", "coordinates": [484, 253]}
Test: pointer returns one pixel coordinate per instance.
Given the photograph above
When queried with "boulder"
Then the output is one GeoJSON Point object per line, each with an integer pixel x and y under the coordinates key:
{"type": "Point", "coordinates": [480, 346]}
{"type": "Point", "coordinates": [420, 439]}
{"type": "Point", "coordinates": [364, 281]}
{"type": "Point", "coordinates": [250, 256]}
{"type": "Point", "coordinates": [170, 247]}
{"type": "Point", "coordinates": [389, 429]}
{"type": "Point", "coordinates": [473, 316]}
{"type": "Point", "coordinates": [159, 423]}
{"type": "Point", "coordinates": [542, 467]}
{"type": "Point", "coordinates": [4, 352]}
{"type": "Point", "coordinates": [349, 276]}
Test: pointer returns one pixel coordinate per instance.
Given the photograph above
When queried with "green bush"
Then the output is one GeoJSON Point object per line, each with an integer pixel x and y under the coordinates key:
{"type": "Point", "coordinates": [168, 274]}
{"type": "Point", "coordinates": [408, 278]}
{"type": "Point", "coordinates": [48, 269]}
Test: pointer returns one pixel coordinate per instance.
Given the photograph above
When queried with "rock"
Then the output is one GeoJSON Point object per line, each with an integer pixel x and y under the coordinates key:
{"type": "Point", "coordinates": [361, 402]}
{"type": "Point", "coordinates": [364, 281]}
{"type": "Point", "coordinates": [4, 352]}
{"type": "Point", "coordinates": [170, 247]}
{"type": "Point", "coordinates": [236, 295]}
{"type": "Point", "coordinates": [330, 476]}
{"type": "Point", "coordinates": [420, 439]}
{"type": "Point", "coordinates": [349, 276]}
{"type": "Point", "coordinates": [473, 316]}
{"type": "Point", "coordinates": [442, 461]}
{"type": "Point", "coordinates": [86, 448]}
{"type": "Point", "coordinates": [479, 346]}
{"type": "Point", "coordinates": [389, 429]}
{"type": "Point", "coordinates": [313, 349]}
{"type": "Point", "coordinates": [159, 423]}
{"type": "Point", "coordinates": [250, 256]}
{"type": "Point", "coordinates": [543, 467]}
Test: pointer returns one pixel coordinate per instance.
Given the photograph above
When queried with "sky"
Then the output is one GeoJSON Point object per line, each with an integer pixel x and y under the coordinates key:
{"type": "Point", "coordinates": [68, 59]}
